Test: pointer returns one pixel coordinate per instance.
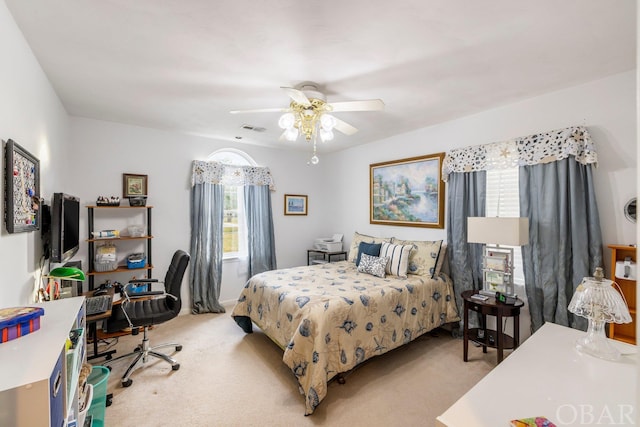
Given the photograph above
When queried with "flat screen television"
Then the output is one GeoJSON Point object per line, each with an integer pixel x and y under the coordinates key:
{"type": "Point", "coordinates": [65, 227]}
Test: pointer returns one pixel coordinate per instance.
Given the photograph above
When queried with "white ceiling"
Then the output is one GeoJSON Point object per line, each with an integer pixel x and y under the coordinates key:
{"type": "Point", "coordinates": [182, 65]}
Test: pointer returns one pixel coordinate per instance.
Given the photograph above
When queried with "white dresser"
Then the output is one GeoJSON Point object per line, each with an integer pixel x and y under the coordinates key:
{"type": "Point", "coordinates": [546, 376]}
{"type": "Point", "coordinates": [36, 387]}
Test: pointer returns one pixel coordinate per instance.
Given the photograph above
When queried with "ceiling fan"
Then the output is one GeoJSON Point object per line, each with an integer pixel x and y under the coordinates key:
{"type": "Point", "coordinates": [309, 113]}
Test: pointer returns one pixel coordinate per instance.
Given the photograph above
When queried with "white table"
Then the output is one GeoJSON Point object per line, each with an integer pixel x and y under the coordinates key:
{"type": "Point", "coordinates": [547, 376]}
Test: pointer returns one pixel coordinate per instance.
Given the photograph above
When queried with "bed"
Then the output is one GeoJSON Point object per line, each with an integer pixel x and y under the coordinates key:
{"type": "Point", "coordinates": [328, 318]}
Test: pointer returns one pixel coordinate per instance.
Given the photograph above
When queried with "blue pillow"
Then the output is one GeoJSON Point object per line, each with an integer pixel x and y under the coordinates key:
{"type": "Point", "coordinates": [372, 249]}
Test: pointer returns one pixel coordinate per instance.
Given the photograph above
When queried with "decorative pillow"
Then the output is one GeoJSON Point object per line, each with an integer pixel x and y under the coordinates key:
{"type": "Point", "coordinates": [357, 238]}
{"type": "Point", "coordinates": [441, 256]}
{"type": "Point", "coordinates": [373, 265]}
{"type": "Point", "coordinates": [372, 249]}
{"type": "Point", "coordinates": [398, 258]}
{"type": "Point", "coordinates": [424, 256]}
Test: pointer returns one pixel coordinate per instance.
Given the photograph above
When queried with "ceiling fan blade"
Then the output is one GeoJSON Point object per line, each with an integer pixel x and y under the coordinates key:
{"type": "Point", "coordinates": [366, 105]}
{"type": "Point", "coordinates": [344, 127]}
{"type": "Point", "coordinates": [297, 95]}
{"type": "Point", "coordinates": [261, 110]}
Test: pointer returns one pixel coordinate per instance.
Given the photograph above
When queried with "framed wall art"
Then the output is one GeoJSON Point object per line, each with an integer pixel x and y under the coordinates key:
{"type": "Point", "coordinates": [21, 189]}
{"type": "Point", "coordinates": [295, 204]}
{"type": "Point", "coordinates": [407, 192]}
{"type": "Point", "coordinates": [134, 185]}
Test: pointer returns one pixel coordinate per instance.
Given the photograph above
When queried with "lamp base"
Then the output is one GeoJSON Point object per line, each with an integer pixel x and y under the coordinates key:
{"type": "Point", "coordinates": [596, 343]}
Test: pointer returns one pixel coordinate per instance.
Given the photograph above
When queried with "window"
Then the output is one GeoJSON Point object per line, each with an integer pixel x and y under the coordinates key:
{"type": "Point", "coordinates": [234, 229]}
{"type": "Point", "coordinates": [503, 200]}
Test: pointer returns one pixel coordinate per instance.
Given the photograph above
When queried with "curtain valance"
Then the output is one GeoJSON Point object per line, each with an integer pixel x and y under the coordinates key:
{"type": "Point", "coordinates": [213, 172]}
{"type": "Point", "coordinates": [529, 150]}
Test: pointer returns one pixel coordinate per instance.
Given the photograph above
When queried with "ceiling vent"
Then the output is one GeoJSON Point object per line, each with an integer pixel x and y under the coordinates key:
{"type": "Point", "coordinates": [253, 128]}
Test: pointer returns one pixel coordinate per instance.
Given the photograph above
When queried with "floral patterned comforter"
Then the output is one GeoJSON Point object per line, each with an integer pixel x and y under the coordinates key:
{"type": "Point", "coordinates": [328, 318]}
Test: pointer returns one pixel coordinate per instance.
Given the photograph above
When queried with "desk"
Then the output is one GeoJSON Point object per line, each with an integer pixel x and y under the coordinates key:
{"type": "Point", "coordinates": [547, 376]}
{"type": "Point", "coordinates": [93, 327]}
{"type": "Point", "coordinates": [494, 339]}
{"type": "Point", "coordinates": [326, 256]}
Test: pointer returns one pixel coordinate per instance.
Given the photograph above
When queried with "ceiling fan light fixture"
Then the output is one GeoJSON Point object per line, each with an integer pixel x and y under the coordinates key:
{"type": "Point", "coordinates": [328, 122]}
{"type": "Point", "coordinates": [287, 120]}
{"type": "Point", "coordinates": [325, 134]}
{"type": "Point", "coordinates": [291, 134]}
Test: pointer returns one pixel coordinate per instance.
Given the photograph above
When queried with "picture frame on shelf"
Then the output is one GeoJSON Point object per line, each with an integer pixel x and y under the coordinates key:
{"type": "Point", "coordinates": [22, 189]}
{"type": "Point", "coordinates": [295, 204]}
{"type": "Point", "coordinates": [407, 192]}
{"type": "Point", "coordinates": [134, 185]}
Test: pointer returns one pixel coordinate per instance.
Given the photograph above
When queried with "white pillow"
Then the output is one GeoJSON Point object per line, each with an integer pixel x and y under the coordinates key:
{"type": "Point", "coordinates": [423, 256]}
{"type": "Point", "coordinates": [373, 265]}
{"type": "Point", "coordinates": [398, 258]}
{"type": "Point", "coordinates": [357, 238]}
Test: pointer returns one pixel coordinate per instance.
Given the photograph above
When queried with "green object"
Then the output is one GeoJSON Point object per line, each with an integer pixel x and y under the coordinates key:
{"type": "Point", "coordinates": [69, 273]}
{"type": "Point", "coordinates": [98, 379]}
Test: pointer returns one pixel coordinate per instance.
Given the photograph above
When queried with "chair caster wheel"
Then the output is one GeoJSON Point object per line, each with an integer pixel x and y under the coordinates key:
{"type": "Point", "coordinates": [110, 368]}
{"type": "Point", "coordinates": [109, 399]}
{"type": "Point", "coordinates": [137, 349]}
{"type": "Point", "coordinates": [127, 383]}
{"type": "Point", "coordinates": [178, 348]}
{"type": "Point", "coordinates": [175, 367]}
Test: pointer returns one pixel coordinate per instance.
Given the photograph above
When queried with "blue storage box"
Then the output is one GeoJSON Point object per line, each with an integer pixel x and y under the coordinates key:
{"type": "Point", "coordinates": [19, 321]}
{"type": "Point", "coordinates": [136, 261]}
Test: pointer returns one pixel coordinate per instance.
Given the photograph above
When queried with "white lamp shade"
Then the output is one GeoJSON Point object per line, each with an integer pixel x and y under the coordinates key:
{"type": "Point", "coordinates": [498, 230]}
{"type": "Point", "coordinates": [287, 120]}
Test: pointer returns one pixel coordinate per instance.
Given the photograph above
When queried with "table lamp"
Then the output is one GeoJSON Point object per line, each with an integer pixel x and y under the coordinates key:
{"type": "Point", "coordinates": [596, 300]}
{"type": "Point", "coordinates": [65, 273]}
{"type": "Point", "coordinates": [498, 261]}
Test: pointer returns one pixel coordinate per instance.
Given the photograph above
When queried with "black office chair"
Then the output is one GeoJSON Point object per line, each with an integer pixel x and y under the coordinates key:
{"type": "Point", "coordinates": [135, 312]}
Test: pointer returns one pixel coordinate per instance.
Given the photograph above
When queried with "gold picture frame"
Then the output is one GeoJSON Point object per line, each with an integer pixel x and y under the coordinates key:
{"type": "Point", "coordinates": [295, 204]}
{"type": "Point", "coordinates": [134, 185]}
{"type": "Point", "coordinates": [407, 192]}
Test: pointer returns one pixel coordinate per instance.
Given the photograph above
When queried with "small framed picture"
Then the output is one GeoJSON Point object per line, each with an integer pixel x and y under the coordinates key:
{"type": "Point", "coordinates": [134, 185]}
{"type": "Point", "coordinates": [295, 204]}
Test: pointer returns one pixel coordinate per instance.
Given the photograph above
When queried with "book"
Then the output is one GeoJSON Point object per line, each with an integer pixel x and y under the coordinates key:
{"type": "Point", "coordinates": [532, 422]}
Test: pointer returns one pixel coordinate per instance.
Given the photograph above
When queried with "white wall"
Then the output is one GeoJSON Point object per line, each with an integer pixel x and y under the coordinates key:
{"type": "Point", "coordinates": [607, 107]}
{"type": "Point", "coordinates": [103, 151]}
{"type": "Point", "coordinates": [31, 114]}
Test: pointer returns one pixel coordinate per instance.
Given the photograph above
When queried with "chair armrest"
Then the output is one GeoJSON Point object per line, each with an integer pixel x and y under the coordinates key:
{"type": "Point", "coordinates": [143, 281]}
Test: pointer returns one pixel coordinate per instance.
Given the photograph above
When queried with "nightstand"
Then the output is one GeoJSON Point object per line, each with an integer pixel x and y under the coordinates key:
{"type": "Point", "coordinates": [486, 337]}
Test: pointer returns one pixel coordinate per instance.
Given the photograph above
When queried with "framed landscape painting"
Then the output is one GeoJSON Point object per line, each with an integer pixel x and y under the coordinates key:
{"type": "Point", "coordinates": [295, 204]}
{"type": "Point", "coordinates": [407, 192]}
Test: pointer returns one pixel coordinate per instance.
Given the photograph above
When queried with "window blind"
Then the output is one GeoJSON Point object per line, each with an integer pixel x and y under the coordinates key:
{"type": "Point", "coordinates": [503, 200]}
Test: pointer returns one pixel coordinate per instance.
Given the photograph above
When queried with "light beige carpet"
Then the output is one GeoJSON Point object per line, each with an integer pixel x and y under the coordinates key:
{"type": "Point", "coordinates": [229, 378]}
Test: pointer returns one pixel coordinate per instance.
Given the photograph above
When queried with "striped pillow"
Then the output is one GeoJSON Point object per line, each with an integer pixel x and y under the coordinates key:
{"type": "Point", "coordinates": [398, 258]}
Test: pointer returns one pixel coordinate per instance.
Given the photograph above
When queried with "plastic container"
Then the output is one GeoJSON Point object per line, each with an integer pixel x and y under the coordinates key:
{"type": "Point", "coordinates": [19, 321]}
{"type": "Point", "coordinates": [98, 380]}
{"type": "Point", "coordinates": [136, 230]}
{"type": "Point", "coordinates": [105, 266]}
{"type": "Point", "coordinates": [136, 261]}
{"type": "Point", "coordinates": [84, 406]}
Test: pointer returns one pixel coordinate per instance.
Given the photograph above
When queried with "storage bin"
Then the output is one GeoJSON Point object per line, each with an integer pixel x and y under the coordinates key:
{"type": "Point", "coordinates": [84, 406]}
{"type": "Point", "coordinates": [19, 321]}
{"type": "Point", "coordinates": [136, 230]}
{"type": "Point", "coordinates": [105, 266]}
{"type": "Point", "coordinates": [98, 380]}
{"type": "Point", "coordinates": [74, 355]}
{"type": "Point", "coordinates": [136, 261]}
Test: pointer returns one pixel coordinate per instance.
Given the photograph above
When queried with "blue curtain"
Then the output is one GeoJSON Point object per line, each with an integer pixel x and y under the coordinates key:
{"type": "Point", "coordinates": [466, 194]}
{"type": "Point", "coordinates": [260, 235]}
{"type": "Point", "coordinates": [207, 207]}
{"type": "Point", "coordinates": [565, 242]}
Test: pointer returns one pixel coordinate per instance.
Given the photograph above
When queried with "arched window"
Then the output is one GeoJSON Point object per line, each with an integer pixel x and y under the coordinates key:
{"type": "Point", "coordinates": [235, 228]}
